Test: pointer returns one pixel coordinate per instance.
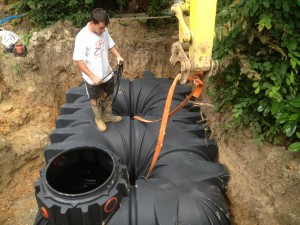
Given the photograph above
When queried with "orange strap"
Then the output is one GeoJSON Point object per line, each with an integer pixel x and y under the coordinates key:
{"type": "Point", "coordinates": [196, 92]}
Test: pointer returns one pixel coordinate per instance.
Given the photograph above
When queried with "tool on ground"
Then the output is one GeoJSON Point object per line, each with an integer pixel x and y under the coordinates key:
{"type": "Point", "coordinates": [20, 50]}
{"type": "Point", "coordinates": [9, 39]}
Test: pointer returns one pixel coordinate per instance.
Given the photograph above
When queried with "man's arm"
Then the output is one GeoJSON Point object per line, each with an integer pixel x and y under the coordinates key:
{"type": "Point", "coordinates": [115, 52]}
{"type": "Point", "coordinates": [82, 66]}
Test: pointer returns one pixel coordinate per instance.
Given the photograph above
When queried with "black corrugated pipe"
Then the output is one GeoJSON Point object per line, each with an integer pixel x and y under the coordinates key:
{"type": "Point", "coordinates": [94, 178]}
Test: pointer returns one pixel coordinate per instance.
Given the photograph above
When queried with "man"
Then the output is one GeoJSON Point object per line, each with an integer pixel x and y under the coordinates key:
{"type": "Point", "coordinates": [92, 45]}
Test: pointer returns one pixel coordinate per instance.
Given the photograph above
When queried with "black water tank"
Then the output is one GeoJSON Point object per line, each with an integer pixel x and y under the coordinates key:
{"type": "Point", "coordinates": [99, 178]}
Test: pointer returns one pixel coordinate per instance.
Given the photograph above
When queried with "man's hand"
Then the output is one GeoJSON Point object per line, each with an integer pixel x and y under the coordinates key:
{"type": "Point", "coordinates": [115, 52]}
{"type": "Point", "coordinates": [83, 67]}
{"type": "Point", "coordinates": [120, 59]}
{"type": "Point", "coordinates": [97, 80]}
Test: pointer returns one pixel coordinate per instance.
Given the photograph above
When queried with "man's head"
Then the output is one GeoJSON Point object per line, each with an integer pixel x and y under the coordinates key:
{"type": "Point", "coordinates": [99, 20]}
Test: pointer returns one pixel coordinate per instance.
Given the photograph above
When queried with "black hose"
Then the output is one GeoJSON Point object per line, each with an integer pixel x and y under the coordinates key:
{"type": "Point", "coordinates": [117, 78]}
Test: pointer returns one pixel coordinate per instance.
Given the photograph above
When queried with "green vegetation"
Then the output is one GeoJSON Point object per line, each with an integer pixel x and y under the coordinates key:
{"type": "Point", "coordinates": [16, 69]}
{"type": "Point", "coordinates": [258, 46]}
{"type": "Point", "coordinates": [26, 37]}
{"type": "Point", "coordinates": [45, 13]}
{"type": "Point", "coordinates": [156, 8]}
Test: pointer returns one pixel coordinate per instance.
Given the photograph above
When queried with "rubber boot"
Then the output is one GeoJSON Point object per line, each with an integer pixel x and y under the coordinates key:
{"type": "Point", "coordinates": [99, 118]}
{"type": "Point", "coordinates": [107, 112]}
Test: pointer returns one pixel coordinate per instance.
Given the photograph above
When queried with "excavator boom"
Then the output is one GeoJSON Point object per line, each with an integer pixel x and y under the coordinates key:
{"type": "Point", "coordinates": [196, 33]}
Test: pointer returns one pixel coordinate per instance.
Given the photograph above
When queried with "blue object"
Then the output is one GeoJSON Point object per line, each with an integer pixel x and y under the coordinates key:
{"type": "Point", "coordinates": [10, 18]}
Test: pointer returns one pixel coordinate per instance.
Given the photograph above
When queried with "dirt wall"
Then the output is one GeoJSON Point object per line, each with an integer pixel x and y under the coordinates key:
{"type": "Point", "coordinates": [264, 186]}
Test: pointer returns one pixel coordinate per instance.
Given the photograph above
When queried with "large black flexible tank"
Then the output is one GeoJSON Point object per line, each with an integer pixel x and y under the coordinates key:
{"type": "Point", "coordinates": [94, 178]}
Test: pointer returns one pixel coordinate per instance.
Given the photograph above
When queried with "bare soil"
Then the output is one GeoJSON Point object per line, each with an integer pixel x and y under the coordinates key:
{"type": "Point", "coordinates": [265, 180]}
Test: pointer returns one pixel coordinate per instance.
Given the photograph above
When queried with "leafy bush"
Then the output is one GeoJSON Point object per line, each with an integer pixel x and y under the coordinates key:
{"type": "Point", "coordinates": [157, 8]}
{"type": "Point", "coordinates": [258, 45]}
{"type": "Point", "coordinates": [45, 13]}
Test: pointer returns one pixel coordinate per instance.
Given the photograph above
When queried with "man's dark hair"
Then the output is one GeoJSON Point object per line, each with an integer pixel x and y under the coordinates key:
{"type": "Point", "coordinates": [100, 15]}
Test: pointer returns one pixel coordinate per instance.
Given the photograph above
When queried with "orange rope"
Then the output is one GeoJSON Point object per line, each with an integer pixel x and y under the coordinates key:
{"type": "Point", "coordinates": [166, 114]}
{"type": "Point", "coordinates": [196, 93]}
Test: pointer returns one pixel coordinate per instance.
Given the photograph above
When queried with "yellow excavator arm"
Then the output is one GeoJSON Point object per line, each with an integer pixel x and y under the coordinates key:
{"type": "Point", "coordinates": [196, 33]}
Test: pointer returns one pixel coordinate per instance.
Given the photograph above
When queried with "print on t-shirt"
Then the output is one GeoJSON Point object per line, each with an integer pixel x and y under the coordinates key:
{"type": "Point", "coordinates": [99, 48]}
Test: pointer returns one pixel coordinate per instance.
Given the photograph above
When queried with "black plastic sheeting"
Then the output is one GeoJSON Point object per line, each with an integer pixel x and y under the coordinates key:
{"type": "Point", "coordinates": [99, 178]}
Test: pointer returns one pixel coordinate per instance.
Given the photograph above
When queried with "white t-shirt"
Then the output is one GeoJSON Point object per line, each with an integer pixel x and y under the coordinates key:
{"type": "Point", "coordinates": [93, 50]}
